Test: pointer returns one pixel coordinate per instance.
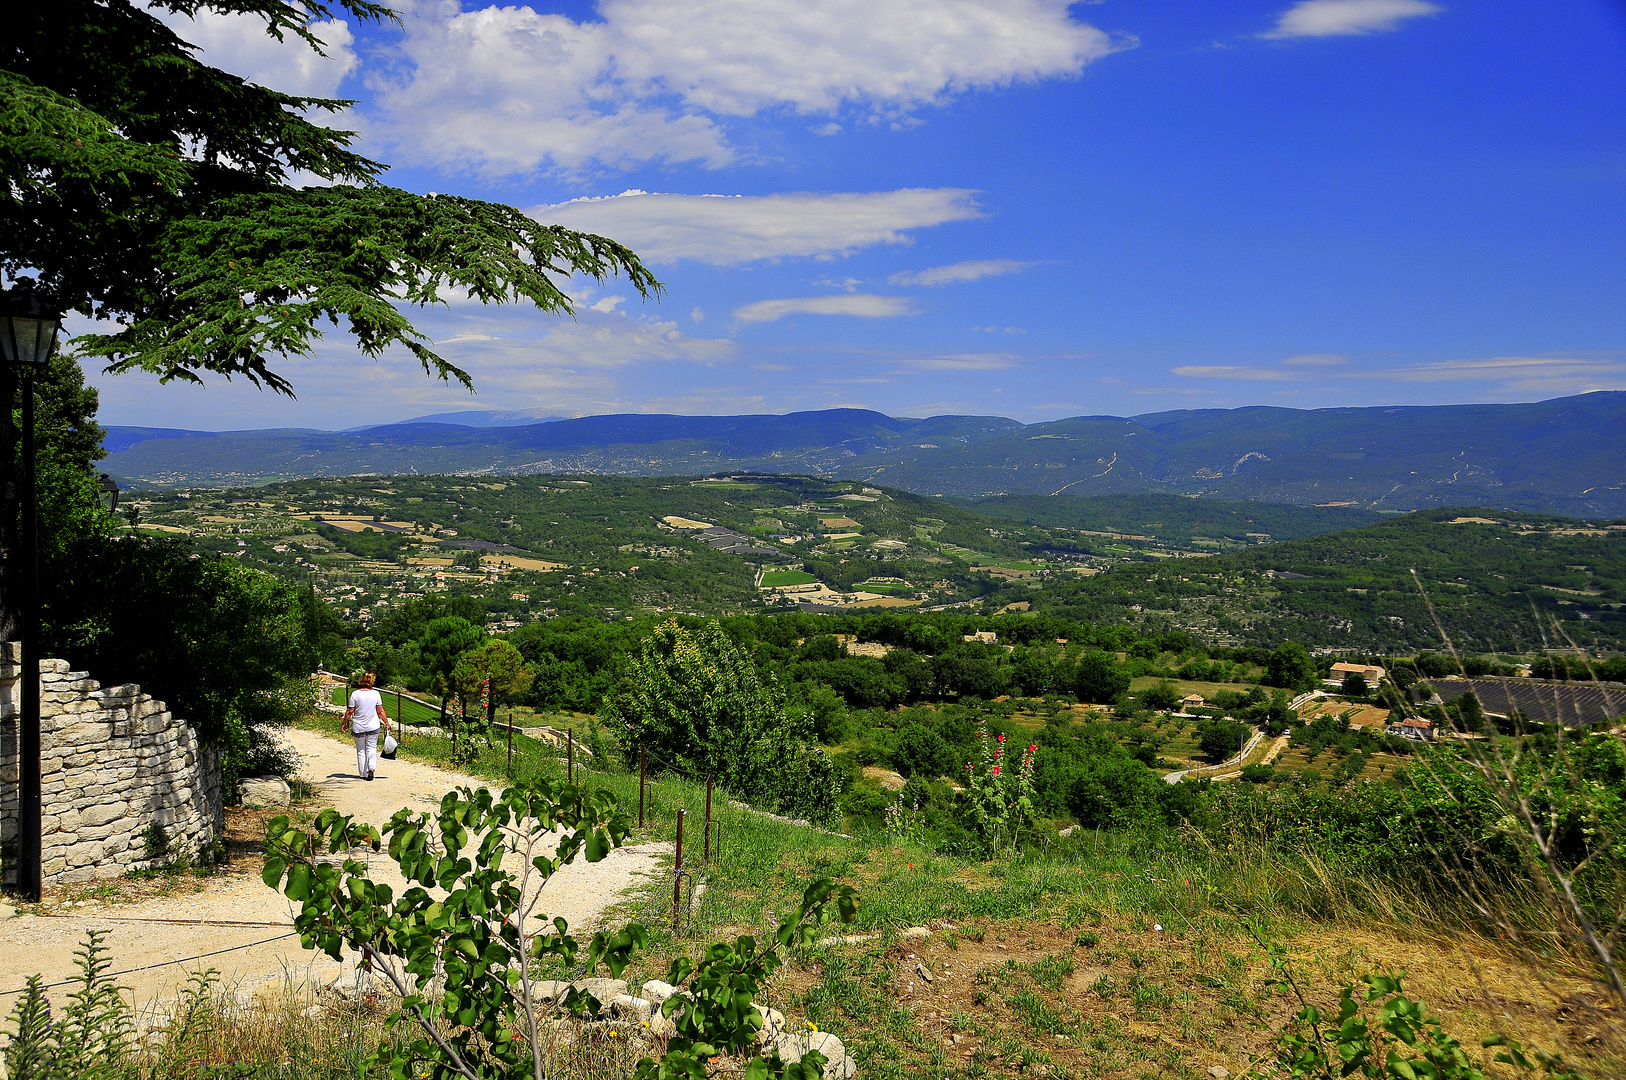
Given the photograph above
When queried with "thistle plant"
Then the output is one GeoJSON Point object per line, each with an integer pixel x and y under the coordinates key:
{"type": "Point", "coordinates": [998, 799]}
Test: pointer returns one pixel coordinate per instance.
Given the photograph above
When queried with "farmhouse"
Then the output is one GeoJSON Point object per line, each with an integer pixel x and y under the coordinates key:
{"type": "Point", "coordinates": [1370, 672]}
{"type": "Point", "coordinates": [1412, 728]}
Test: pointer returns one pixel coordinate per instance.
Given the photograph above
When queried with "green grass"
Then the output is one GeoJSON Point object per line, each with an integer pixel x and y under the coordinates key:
{"type": "Point", "coordinates": [773, 579]}
{"type": "Point", "coordinates": [1116, 953]}
{"type": "Point", "coordinates": [412, 712]}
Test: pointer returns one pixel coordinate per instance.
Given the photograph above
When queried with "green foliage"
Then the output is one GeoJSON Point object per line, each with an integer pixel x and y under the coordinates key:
{"type": "Point", "coordinates": [1221, 740]}
{"type": "Point", "coordinates": [1387, 1036]}
{"type": "Point", "coordinates": [1101, 679]}
{"type": "Point", "coordinates": [1175, 518]}
{"type": "Point", "coordinates": [479, 935]}
{"type": "Point", "coordinates": [695, 700]}
{"type": "Point", "coordinates": [998, 799]}
{"type": "Point", "coordinates": [93, 1037]}
{"type": "Point", "coordinates": [443, 643]}
{"type": "Point", "coordinates": [1163, 694]}
{"type": "Point", "coordinates": [465, 963]}
{"type": "Point", "coordinates": [1290, 667]}
{"type": "Point", "coordinates": [494, 669]}
{"type": "Point", "coordinates": [155, 189]}
{"type": "Point", "coordinates": [716, 1016]}
{"type": "Point", "coordinates": [225, 647]}
{"type": "Point", "coordinates": [1492, 587]}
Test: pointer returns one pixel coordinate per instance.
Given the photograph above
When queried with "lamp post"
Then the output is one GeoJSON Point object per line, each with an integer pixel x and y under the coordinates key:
{"type": "Point", "coordinates": [110, 488]}
{"type": "Point", "coordinates": [28, 329]}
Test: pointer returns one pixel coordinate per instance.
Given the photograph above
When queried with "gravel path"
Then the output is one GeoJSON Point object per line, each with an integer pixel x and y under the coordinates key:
{"type": "Point", "coordinates": [157, 942]}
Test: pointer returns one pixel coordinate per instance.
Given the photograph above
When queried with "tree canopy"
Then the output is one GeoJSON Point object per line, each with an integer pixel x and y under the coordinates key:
{"type": "Point", "coordinates": [147, 187]}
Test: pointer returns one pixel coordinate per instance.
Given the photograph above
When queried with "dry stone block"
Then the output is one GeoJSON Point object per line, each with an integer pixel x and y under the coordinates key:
{"type": "Point", "coordinates": [264, 793]}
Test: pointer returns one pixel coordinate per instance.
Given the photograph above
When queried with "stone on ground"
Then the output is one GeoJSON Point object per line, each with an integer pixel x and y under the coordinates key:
{"type": "Point", "coordinates": [264, 792]}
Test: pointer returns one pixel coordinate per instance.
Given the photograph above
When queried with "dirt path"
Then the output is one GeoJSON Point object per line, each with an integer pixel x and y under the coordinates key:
{"type": "Point", "coordinates": [158, 942]}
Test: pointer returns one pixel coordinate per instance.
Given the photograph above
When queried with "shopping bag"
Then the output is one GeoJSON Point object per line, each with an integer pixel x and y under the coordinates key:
{"type": "Point", "coordinates": [389, 747]}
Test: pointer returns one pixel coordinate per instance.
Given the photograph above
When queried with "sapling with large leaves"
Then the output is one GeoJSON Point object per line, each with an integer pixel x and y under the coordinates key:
{"type": "Point", "coordinates": [463, 944]}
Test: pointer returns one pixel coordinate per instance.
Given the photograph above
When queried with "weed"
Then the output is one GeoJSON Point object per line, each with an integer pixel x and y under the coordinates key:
{"type": "Point", "coordinates": [1037, 1014]}
{"type": "Point", "coordinates": [1147, 995]}
{"type": "Point", "coordinates": [154, 842]}
{"type": "Point", "coordinates": [1051, 970]}
{"type": "Point", "coordinates": [1087, 940]}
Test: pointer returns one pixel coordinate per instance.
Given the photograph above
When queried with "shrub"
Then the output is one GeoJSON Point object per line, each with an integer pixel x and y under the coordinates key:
{"type": "Point", "coordinates": [464, 962]}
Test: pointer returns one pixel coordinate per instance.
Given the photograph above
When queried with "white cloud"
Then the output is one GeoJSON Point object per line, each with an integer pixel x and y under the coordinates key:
{"type": "Point", "coordinates": [1222, 371]}
{"type": "Point", "coordinates": [725, 230]}
{"type": "Point", "coordinates": [862, 305]}
{"type": "Point", "coordinates": [507, 90]}
{"type": "Point", "coordinates": [958, 273]}
{"type": "Point", "coordinates": [1329, 18]}
{"type": "Point", "coordinates": [1534, 374]}
{"type": "Point", "coordinates": [1314, 360]}
{"type": "Point", "coordinates": [698, 315]}
{"type": "Point", "coordinates": [608, 304]}
{"type": "Point", "coordinates": [240, 45]}
{"type": "Point", "coordinates": [968, 362]}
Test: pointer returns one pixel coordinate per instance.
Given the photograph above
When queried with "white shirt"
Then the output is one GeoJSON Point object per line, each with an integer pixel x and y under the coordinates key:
{"type": "Point", "coordinates": [364, 706]}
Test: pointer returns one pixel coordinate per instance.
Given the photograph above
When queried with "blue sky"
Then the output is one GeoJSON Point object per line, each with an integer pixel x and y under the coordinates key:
{"type": "Point", "coordinates": [993, 206]}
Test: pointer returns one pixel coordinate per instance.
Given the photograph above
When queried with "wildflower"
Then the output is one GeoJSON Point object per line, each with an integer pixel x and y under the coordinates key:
{"type": "Point", "coordinates": [996, 770]}
{"type": "Point", "coordinates": [1033, 749]}
{"type": "Point", "coordinates": [1001, 738]}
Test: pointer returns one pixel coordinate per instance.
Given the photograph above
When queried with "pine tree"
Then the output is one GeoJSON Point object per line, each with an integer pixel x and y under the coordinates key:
{"type": "Point", "coordinates": [147, 187]}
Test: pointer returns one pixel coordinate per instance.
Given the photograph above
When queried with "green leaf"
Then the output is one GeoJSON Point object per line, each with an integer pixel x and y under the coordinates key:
{"type": "Point", "coordinates": [272, 874]}
{"type": "Point", "coordinates": [299, 882]}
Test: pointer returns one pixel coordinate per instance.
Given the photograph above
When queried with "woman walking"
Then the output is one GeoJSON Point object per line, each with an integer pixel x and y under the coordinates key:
{"type": "Point", "coordinates": [363, 719]}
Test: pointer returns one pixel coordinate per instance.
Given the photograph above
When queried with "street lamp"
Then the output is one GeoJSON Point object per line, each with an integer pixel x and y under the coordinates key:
{"type": "Point", "coordinates": [28, 329]}
{"type": "Point", "coordinates": [110, 488]}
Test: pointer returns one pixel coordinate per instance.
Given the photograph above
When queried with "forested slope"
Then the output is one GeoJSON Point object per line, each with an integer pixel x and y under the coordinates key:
{"type": "Point", "coordinates": [1493, 581]}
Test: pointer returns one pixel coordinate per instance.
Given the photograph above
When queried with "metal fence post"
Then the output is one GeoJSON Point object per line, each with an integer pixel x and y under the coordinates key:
{"type": "Point", "coordinates": [677, 869]}
{"type": "Point", "coordinates": [640, 787]}
{"type": "Point", "coordinates": [707, 856]}
{"type": "Point", "coordinates": [570, 755]}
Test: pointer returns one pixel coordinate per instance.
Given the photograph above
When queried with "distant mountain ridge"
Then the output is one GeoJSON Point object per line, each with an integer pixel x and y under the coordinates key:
{"type": "Point", "coordinates": [1566, 455]}
{"type": "Point", "coordinates": [481, 418]}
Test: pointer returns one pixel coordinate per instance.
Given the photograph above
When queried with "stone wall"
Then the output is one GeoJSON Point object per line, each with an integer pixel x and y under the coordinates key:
{"type": "Point", "coordinates": [113, 762]}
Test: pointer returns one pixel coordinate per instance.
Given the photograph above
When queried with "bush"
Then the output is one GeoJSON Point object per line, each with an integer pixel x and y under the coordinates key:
{"type": "Point", "coordinates": [923, 752]}
{"type": "Point", "coordinates": [226, 648]}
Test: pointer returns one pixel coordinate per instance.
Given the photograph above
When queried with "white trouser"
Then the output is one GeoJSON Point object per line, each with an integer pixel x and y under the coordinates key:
{"type": "Point", "coordinates": [366, 751]}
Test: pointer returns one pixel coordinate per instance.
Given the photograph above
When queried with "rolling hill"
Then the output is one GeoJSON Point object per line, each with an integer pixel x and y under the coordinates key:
{"type": "Point", "coordinates": [1566, 455]}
